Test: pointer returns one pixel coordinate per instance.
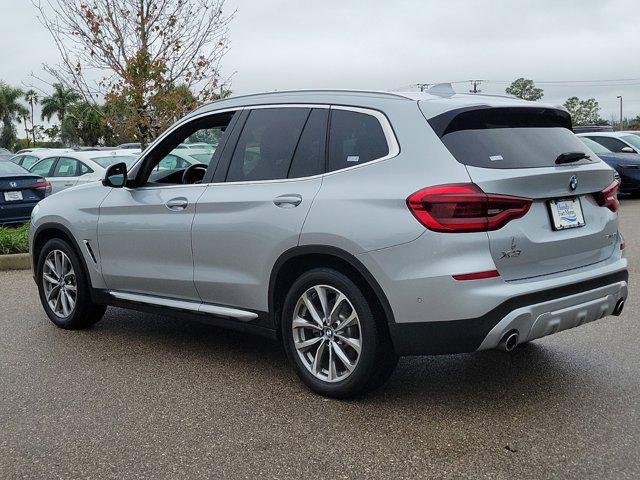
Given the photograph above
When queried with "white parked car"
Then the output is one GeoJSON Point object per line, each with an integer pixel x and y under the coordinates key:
{"type": "Point", "coordinates": [182, 157]}
{"type": "Point", "coordinates": [67, 169]}
{"type": "Point", "coordinates": [617, 142]}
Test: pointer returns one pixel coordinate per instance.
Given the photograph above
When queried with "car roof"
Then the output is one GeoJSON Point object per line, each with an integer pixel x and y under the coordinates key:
{"type": "Point", "coordinates": [604, 134]}
{"type": "Point", "coordinates": [438, 99]}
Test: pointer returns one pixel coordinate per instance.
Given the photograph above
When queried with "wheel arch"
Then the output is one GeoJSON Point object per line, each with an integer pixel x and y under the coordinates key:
{"type": "Point", "coordinates": [292, 263]}
{"type": "Point", "coordinates": [48, 231]}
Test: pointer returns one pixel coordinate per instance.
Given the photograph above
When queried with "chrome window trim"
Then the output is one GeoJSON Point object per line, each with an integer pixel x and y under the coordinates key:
{"type": "Point", "coordinates": [390, 137]}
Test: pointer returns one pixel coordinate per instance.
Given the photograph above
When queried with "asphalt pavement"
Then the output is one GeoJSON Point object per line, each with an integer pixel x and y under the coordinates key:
{"type": "Point", "coordinates": [144, 396]}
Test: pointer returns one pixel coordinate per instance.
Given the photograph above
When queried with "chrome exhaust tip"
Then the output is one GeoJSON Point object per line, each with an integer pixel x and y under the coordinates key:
{"type": "Point", "coordinates": [509, 341]}
{"type": "Point", "coordinates": [617, 311]}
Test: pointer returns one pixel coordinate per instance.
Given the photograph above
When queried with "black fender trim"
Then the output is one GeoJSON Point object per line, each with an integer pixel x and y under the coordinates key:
{"type": "Point", "coordinates": [330, 251]}
{"type": "Point", "coordinates": [466, 335]}
{"type": "Point", "coordinates": [74, 244]}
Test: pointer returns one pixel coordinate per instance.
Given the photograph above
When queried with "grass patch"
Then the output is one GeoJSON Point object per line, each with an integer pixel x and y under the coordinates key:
{"type": "Point", "coordinates": [14, 240]}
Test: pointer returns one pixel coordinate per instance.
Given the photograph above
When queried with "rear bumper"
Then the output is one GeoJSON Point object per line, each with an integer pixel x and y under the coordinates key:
{"type": "Point", "coordinates": [16, 213]}
{"type": "Point", "coordinates": [534, 315]}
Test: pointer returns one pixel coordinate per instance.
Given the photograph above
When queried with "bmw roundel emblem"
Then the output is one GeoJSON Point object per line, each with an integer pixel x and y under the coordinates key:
{"type": "Point", "coordinates": [573, 183]}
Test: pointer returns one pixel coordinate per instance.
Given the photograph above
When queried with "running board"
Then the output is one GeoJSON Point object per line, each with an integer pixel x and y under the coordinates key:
{"type": "Point", "coordinates": [199, 307]}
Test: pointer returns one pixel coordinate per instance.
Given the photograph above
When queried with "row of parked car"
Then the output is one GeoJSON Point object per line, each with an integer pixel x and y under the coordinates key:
{"type": "Point", "coordinates": [621, 151]}
{"type": "Point", "coordinates": [32, 174]}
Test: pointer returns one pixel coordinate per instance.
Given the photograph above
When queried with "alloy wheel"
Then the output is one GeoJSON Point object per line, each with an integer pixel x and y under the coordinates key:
{"type": "Point", "coordinates": [59, 282]}
{"type": "Point", "coordinates": [327, 333]}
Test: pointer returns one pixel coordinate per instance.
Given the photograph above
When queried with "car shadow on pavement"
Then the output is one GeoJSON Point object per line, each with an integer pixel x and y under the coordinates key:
{"type": "Point", "coordinates": [531, 373]}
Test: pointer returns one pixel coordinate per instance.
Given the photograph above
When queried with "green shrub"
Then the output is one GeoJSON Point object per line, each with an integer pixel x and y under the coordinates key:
{"type": "Point", "coordinates": [14, 240]}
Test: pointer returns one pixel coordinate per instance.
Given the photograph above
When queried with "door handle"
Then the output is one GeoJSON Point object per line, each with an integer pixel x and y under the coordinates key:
{"type": "Point", "coordinates": [288, 201]}
{"type": "Point", "coordinates": [68, 184]}
{"type": "Point", "coordinates": [177, 204]}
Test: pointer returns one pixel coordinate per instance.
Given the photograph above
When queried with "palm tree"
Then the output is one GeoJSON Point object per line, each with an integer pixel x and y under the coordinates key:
{"type": "Point", "coordinates": [9, 109]}
{"type": "Point", "coordinates": [58, 102]}
{"type": "Point", "coordinates": [31, 96]}
{"type": "Point", "coordinates": [23, 113]}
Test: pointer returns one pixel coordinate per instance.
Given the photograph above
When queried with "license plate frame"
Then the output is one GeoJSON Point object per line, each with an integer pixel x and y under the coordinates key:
{"type": "Point", "coordinates": [565, 216]}
{"type": "Point", "coordinates": [14, 196]}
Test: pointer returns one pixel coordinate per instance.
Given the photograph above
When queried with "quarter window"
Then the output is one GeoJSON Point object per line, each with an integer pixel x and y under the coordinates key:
{"type": "Point", "coordinates": [267, 144]}
{"type": "Point", "coordinates": [355, 138]}
{"type": "Point", "coordinates": [84, 169]}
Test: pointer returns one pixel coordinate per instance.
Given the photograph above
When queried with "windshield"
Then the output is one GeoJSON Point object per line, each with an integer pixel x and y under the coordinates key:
{"type": "Point", "coordinates": [594, 146]}
{"type": "Point", "coordinates": [112, 160]}
{"type": "Point", "coordinates": [10, 168]}
{"type": "Point", "coordinates": [633, 140]}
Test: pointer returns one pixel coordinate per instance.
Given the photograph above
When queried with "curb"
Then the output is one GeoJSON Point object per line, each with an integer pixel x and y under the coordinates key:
{"type": "Point", "coordinates": [19, 261]}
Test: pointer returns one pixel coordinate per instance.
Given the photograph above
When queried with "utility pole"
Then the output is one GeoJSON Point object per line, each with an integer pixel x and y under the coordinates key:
{"type": "Point", "coordinates": [474, 86]}
{"type": "Point", "coordinates": [621, 125]}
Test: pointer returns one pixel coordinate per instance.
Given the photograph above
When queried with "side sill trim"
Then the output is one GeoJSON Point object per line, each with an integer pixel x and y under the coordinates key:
{"type": "Point", "coordinates": [199, 307]}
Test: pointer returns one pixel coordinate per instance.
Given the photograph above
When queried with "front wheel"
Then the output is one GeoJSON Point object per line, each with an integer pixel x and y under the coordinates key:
{"type": "Point", "coordinates": [332, 337]}
{"type": "Point", "coordinates": [64, 288]}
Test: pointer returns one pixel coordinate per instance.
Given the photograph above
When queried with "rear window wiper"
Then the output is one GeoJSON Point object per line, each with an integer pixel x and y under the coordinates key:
{"type": "Point", "coordinates": [571, 157]}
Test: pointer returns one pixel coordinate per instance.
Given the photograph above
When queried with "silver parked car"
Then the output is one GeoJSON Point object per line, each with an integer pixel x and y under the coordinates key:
{"type": "Point", "coordinates": [355, 227]}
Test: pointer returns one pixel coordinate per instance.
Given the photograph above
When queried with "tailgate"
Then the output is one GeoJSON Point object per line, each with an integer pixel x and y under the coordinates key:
{"type": "Point", "coordinates": [531, 152]}
{"type": "Point", "coordinates": [531, 246]}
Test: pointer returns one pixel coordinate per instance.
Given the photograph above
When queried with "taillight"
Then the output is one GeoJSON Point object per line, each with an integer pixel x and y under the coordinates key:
{"type": "Point", "coordinates": [43, 186]}
{"type": "Point", "coordinates": [608, 197]}
{"type": "Point", "coordinates": [464, 207]}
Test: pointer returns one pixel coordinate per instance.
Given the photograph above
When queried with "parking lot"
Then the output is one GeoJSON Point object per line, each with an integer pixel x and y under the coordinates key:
{"type": "Point", "coordinates": [142, 396]}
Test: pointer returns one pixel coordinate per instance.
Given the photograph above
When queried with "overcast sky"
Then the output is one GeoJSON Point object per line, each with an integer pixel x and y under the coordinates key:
{"type": "Point", "coordinates": [391, 45]}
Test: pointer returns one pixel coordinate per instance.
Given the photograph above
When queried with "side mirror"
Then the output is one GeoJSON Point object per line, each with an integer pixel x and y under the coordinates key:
{"type": "Point", "coordinates": [116, 176]}
{"type": "Point", "coordinates": [627, 150]}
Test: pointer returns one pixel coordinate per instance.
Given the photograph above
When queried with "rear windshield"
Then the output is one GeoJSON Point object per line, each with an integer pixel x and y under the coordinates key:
{"type": "Point", "coordinates": [523, 137]}
{"type": "Point", "coordinates": [9, 168]}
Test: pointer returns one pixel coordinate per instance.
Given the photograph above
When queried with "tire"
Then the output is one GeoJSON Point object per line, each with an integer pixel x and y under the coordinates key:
{"type": "Point", "coordinates": [335, 340]}
{"type": "Point", "coordinates": [55, 258]}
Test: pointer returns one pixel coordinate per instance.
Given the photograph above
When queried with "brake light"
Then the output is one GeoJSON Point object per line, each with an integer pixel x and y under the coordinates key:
{"type": "Point", "coordinates": [44, 185]}
{"type": "Point", "coordinates": [608, 197]}
{"type": "Point", "coordinates": [464, 207]}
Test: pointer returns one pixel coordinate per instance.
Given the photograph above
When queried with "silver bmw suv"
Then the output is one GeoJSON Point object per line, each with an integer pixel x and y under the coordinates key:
{"type": "Point", "coordinates": [354, 227]}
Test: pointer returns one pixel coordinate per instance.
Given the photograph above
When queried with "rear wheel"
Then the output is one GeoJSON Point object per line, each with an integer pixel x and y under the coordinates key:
{"type": "Point", "coordinates": [336, 344]}
{"type": "Point", "coordinates": [64, 288]}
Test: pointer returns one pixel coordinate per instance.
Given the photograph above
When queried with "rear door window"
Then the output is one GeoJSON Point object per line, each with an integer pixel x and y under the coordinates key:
{"type": "Point", "coordinates": [522, 137]}
{"type": "Point", "coordinates": [267, 143]}
{"type": "Point", "coordinates": [354, 138]}
{"type": "Point", "coordinates": [66, 167]}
